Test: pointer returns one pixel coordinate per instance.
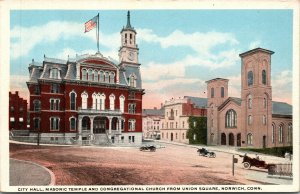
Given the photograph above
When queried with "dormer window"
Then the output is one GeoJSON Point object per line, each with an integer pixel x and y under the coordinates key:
{"type": "Point", "coordinates": [132, 81]}
{"type": "Point", "coordinates": [112, 77]}
{"type": "Point", "coordinates": [54, 73]}
{"type": "Point", "coordinates": [84, 75]}
{"type": "Point", "coordinates": [90, 75]}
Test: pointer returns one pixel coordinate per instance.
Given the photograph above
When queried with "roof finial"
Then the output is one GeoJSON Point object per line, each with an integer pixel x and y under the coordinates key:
{"type": "Point", "coordinates": [128, 20]}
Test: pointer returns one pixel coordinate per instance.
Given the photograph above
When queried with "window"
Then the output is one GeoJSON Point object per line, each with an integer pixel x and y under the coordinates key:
{"type": "Point", "coordinates": [112, 77]}
{"type": "Point", "coordinates": [96, 76]}
{"type": "Point", "coordinates": [54, 73]}
{"type": "Point", "coordinates": [195, 123]}
{"type": "Point", "coordinates": [249, 101]}
{"type": "Point", "coordinates": [21, 119]}
{"type": "Point", "coordinates": [84, 98]}
{"type": "Point", "coordinates": [265, 103]}
{"type": "Point", "coordinates": [182, 124]}
{"type": "Point", "coordinates": [222, 92]}
{"type": "Point", "coordinates": [54, 104]}
{"type": "Point", "coordinates": [73, 100]}
{"type": "Point", "coordinates": [273, 133]}
{"type": "Point", "coordinates": [101, 76]}
{"type": "Point", "coordinates": [54, 88]}
{"type": "Point", "coordinates": [12, 119]}
{"type": "Point", "coordinates": [176, 125]}
{"type": "Point", "coordinates": [72, 124]}
{"type": "Point", "coordinates": [106, 77]}
{"type": "Point", "coordinates": [249, 119]}
{"type": "Point", "coordinates": [231, 118]}
{"type": "Point", "coordinates": [37, 90]}
{"type": "Point", "coordinates": [122, 99]}
{"type": "Point", "coordinates": [131, 125]}
{"type": "Point", "coordinates": [212, 92]}
{"type": "Point", "coordinates": [280, 135]}
{"type": "Point", "coordinates": [12, 109]}
{"type": "Point", "coordinates": [36, 105]}
{"type": "Point", "coordinates": [249, 139]}
{"type": "Point", "coordinates": [250, 78]}
{"type": "Point", "coordinates": [84, 74]}
{"type": "Point", "coordinates": [122, 125]}
{"type": "Point", "coordinates": [54, 124]}
{"type": "Point", "coordinates": [290, 133]}
{"type": "Point", "coordinates": [36, 123]}
{"type": "Point", "coordinates": [112, 102]}
{"type": "Point", "coordinates": [102, 102]}
{"type": "Point", "coordinates": [90, 75]}
{"type": "Point", "coordinates": [21, 109]}
{"type": "Point", "coordinates": [183, 136]}
{"type": "Point", "coordinates": [264, 120]}
{"type": "Point", "coordinates": [131, 108]}
{"type": "Point", "coordinates": [264, 77]}
{"type": "Point", "coordinates": [132, 81]}
{"type": "Point", "coordinates": [131, 95]}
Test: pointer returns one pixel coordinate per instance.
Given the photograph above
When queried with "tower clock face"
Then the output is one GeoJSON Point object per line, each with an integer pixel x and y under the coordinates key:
{"type": "Point", "coordinates": [131, 56]}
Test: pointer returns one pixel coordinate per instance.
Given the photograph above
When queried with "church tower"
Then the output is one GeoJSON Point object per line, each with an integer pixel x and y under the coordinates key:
{"type": "Point", "coordinates": [128, 51]}
{"type": "Point", "coordinates": [256, 93]}
{"type": "Point", "coordinates": [217, 93]}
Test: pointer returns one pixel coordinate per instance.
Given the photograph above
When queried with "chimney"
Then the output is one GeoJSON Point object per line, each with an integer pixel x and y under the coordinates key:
{"type": "Point", "coordinates": [17, 93]}
{"type": "Point", "coordinates": [155, 108]}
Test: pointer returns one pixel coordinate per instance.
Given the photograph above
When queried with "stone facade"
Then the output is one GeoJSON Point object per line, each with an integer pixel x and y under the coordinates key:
{"type": "Point", "coordinates": [253, 120]}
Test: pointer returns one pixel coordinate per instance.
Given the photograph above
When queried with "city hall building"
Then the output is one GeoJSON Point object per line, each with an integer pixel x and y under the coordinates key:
{"type": "Point", "coordinates": [89, 99]}
{"type": "Point", "coordinates": [253, 120]}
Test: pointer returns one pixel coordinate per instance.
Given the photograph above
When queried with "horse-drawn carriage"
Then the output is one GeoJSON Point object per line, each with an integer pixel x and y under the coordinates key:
{"type": "Point", "coordinates": [248, 162]}
{"type": "Point", "coordinates": [150, 148]}
{"type": "Point", "coordinates": [205, 152]}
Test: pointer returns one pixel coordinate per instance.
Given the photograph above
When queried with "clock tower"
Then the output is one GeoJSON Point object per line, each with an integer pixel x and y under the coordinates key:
{"type": "Point", "coordinates": [128, 52]}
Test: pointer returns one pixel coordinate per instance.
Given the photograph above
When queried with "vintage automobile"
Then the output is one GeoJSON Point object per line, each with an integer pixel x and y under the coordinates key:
{"type": "Point", "coordinates": [248, 162]}
{"type": "Point", "coordinates": [150, 148]}
{"type": "Point", "coordinates": [205, 152]}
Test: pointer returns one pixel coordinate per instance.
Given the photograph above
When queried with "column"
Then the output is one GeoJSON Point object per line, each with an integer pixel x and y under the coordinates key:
{"type": "Point", "coordinates": [109, 127]}
{"type": "Point", "coordinates": [79, 141]}
{"type": "Point", "coordinates": [92, 125]}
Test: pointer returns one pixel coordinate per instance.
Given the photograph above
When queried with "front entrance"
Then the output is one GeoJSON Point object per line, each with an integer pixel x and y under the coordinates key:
{"type": "Point", "coordinates": [238, 140]}
{"type": "Point", "coordinates": [171, 136]}
{"type": "Point", "coordinates": [223, 139]}
{"type": "Point", "coordinates": [99, 125]}
{"type": "Point", "coordinates": [231, 139]}
{"type": "Point", "coordinates": [264, 141]}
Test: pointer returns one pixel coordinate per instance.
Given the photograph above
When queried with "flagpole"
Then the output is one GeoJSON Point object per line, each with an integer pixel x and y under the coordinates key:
{"type": "Point", "coordinates": [98, 33]}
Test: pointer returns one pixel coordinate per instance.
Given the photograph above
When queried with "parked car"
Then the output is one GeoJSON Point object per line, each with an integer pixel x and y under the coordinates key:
{"type": "Point", "coordinates": [150, 148]}
{"type": "Point", "coordinates": [205, 152]}
{"type": "Point", "coordinates": [248, 162]}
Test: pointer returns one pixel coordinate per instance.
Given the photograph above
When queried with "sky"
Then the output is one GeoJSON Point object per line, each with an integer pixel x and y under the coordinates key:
{"type": "Point", "coordinates": [178, 49]}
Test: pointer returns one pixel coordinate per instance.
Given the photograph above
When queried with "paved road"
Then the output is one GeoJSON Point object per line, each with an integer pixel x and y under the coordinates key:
{"type": "Point", "coordinates": [23, 173]}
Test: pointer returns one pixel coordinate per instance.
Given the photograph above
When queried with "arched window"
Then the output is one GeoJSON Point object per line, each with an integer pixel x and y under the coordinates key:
{"type": "Point", "coordinates": [54, 123]}
{"type": "Point", "coordinates": [102, 102]}
{"type": "Point", "coordinates": [265, 102]}
{"type": "Point", "coordinates": [112, 77]}
{"type": "Point", "coordinates": [73, 100]}
{"type": "Point", "coordinates": [112, 102]}
{"type": "Point", "coordinates": [250, 78]}
{"type": "Point", "coordinates": [249, 119]}
{"type": "Point", "coordinates": [212, 92]}
{"type": "Point", "coordinates": [36, 123]}
{"type": "Point", "coordinates": [84, 97]}
{"type": "Point", "coordinates": [72, 123]}
{"type": "Point", "coordinates": [54, 73]}
{"type": "Point", "coordinates": [122, 100]}
{"type": "Point", "coordinates": [90, 75]}
{"type": "Point", "coordinates": [101, 76]}
{"type": "Point", "coordinates": [264, 120]}
{"type": "Point", "coordinates": [84, 74]}
{"type": "Point", "coordinates": [249, 139]}
{"type": "Point", "coordinates": [290, 133]}
{"type": "Point", "coordinates": [132, 81]}
{"type": "Point", "coordinates": [222, 92]}
{"type": "Point", "coordinates": [96, 76]}
{"type": "Point", "coordinates": [280, 134]}
{"type": "Point", "coordinates": [95, 101]}
{"type": "Point", "coordinates": [37, 105]}
{"type": "Point", "coordinates": [230, 118]}
{"type": "Point", "coordinates": [182, 136]}
{"type": "Point", "coordinates": [273, 133]}
{"type": "Point", "coordinates": [106, 77]}
{"type": "Point", "coordinates": [264, 77]}
{"type": "Point", "coordinates": [249, 101]}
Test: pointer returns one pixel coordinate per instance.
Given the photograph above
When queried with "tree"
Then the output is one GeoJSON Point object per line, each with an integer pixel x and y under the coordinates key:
{"type": "Point", "coordinates": [197, 132]}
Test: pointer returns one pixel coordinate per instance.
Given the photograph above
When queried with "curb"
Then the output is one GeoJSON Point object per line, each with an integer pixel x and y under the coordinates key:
{"type": "Point", "coordinates": [52, 176]}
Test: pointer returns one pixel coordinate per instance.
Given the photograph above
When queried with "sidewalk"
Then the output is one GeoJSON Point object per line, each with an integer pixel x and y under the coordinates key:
{"type": "Point", "coordinates": [24, 173]}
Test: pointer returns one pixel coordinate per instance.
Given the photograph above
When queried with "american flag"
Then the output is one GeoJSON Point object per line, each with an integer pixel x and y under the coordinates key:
{"type": "Point", "coordinates": [91, 24]}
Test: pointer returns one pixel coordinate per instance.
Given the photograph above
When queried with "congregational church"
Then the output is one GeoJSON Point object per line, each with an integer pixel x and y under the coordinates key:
{"type": "Point", "coordinates": [253, 120]}
{"type": "Point", "coordinates": [89, 99]}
